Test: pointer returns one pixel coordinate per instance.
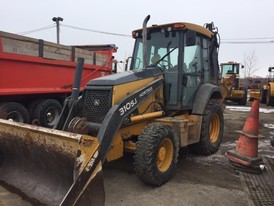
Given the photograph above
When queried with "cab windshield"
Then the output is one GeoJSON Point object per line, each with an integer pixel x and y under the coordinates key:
{"type": "Point", "coordinates": [230, 69]}
{"type": "Point", "coordinates": [162, 50]}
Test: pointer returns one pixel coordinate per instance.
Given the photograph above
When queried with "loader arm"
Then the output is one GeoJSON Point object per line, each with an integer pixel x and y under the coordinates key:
{"type": "Point", "coordinates": [87, 188]}
{"type": "Point", "coordinates": [109, 127]}
{"type": "Point", "coordinates": [119, 112]}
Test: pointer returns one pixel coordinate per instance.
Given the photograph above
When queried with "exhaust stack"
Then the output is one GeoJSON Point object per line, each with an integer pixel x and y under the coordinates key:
{"type": "Point", "coordinates": [145, 59]}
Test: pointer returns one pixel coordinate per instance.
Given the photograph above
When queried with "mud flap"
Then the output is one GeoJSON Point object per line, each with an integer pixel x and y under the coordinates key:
{"type": "Point", "coordinates": [49, 166]}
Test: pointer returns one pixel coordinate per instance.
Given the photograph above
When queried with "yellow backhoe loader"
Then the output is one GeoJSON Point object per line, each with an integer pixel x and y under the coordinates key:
{"type": "Point", "coordinates": [267, 89]}
{"type": "Point", "coordinates": [230, 73]}
{"type": "Point", "coordinates": [169, 98]}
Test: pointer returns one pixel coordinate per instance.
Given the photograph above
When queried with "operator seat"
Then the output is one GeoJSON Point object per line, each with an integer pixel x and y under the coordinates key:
{"type": "Point", "coordinates": [155, 59]}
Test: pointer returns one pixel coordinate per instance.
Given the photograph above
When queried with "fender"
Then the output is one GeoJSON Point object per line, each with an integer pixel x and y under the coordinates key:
{"type": "Point", "coordinates": [204, 93]}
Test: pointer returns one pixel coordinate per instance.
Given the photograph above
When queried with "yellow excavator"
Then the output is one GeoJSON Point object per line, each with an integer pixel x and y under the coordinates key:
{"type": "Point", "coordinates": [169, 98]}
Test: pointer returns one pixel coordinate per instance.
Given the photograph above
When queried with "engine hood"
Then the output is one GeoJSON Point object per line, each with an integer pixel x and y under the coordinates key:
{"type": "Point", "coordinates": [125, 77]}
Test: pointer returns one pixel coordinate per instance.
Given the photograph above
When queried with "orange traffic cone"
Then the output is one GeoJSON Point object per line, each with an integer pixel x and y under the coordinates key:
{"type": "Point", "coordinates": [245, 156]}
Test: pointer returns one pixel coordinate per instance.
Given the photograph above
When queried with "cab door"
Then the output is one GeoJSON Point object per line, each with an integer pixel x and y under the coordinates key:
{"type": "Point", "coordinates": [192, 68]}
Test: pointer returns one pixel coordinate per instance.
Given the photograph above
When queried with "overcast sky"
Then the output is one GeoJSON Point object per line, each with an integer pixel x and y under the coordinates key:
{"type": "Point", "coordinates": [244, 20]}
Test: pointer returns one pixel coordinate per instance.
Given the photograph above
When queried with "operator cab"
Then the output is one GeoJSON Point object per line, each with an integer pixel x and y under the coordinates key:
{"type": "Point", "coordinates": [181, 52]}
{"type": "Point", "coordinates": [230, 68]}
{"type": "Point", "coordinates": [231, 73]}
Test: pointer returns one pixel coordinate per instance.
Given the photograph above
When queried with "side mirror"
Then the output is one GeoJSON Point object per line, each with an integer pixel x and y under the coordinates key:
{"type": "Point", "coordinates": [190, 38]}
{"type": "Point", "coordinates": [114, 65]}
{"type": "Point", "coordinates": [128, 61]}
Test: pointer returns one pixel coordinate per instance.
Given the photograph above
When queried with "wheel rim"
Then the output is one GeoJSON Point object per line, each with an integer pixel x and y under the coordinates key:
{"type": "Point", "coordinates": [165, 155]}
{"type": "Point", "coordinates": [15, 116]}
{"type": "Point", "coordinates": [52, 115]}
{"type": "Point", "coordinates": [214, 129]}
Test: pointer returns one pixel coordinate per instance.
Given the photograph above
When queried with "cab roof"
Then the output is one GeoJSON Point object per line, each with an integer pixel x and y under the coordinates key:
{"type": "Point", "coordinates": [229, 63]}
{"type": "Point", "coordinates": [178, 26]}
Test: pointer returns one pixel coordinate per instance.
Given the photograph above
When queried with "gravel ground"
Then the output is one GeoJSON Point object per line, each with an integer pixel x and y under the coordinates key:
{"type": "Point", "coordinates": [199, 180]}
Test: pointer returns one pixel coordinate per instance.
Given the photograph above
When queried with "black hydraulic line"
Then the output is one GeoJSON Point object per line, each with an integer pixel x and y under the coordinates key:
{"type": "Point", "coordinates": [77, 78]}
{"type": "Point", "coordinates": [68, 111]}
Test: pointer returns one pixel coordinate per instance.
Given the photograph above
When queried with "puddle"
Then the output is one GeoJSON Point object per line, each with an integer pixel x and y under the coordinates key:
{"type": "Point", "coordinates": [217, 157]}
{"type": "Point", "coordinates": [247, 109]}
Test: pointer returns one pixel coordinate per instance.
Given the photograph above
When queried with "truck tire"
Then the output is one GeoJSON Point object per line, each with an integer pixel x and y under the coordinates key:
{"type": "Point", "coordinates": [47, 112]}
{"type": "Point", "coordinates": [31, 107]}
{"type": "Point", "coordinates": [14, 111]}
{"type": "Point", "coordinates": [156, 154]}
{"type": "Point", "coordinates": [263, 96]}
{"type": "Point", "coordinates": [269, 98]}
{"type": "Point", "coordinates": [244, 99]}
{"type": "Point", "coordinates": [211, 130]}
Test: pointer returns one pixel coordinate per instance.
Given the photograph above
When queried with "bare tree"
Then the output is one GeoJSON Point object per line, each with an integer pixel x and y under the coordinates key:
{"type": "Point", "coordinates": [250, 63]}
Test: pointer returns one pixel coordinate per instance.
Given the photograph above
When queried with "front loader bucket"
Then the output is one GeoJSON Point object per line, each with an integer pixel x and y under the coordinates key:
{"type": "Point", "coordinates": [50, 167]}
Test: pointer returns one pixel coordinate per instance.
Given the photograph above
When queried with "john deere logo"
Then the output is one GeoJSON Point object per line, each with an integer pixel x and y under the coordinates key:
{"type": "Point", "coordinates": [96, 102]}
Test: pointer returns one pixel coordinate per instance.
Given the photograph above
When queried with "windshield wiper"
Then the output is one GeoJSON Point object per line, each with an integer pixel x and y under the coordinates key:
{"type": "Point", "coordinates": [163, 57]}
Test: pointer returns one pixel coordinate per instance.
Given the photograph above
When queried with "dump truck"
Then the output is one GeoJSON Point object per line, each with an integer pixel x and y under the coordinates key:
{"type": "Point", "coordinates": [267, 89]}
{"type": "Point", "coordinates": [36, 76]}
{"type": "Point", "coordinates": [168, 99]}
{"type": "Point", "coordinates": [230, 73]}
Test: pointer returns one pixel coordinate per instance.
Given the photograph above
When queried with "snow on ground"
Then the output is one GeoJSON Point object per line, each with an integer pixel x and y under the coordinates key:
{"type": "Point", "coordinates": [247, 109]}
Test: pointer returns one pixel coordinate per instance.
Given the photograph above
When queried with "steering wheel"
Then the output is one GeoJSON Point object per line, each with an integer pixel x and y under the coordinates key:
{"type": "Point", "coordinates": [165, 64]}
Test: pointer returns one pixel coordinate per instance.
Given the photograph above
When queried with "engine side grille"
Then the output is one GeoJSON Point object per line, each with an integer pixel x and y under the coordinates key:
{"type": "Point", "coordinates": [97, 103]}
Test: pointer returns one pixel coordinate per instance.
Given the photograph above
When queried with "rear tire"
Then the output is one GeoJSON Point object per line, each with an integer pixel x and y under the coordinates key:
{"type": "Point", "coordinates": [269, 98]}
{"type": "Point", "coordinates": [263, 96]}
{"type": "Point", "coordinates": [211, 130]}
{"type": "Point", "coordinates": [14, 111]}
{"type": "Point", "coordinates": [47, 112]}
{"type": "Point", "coordinates": [156, 154]}
{"type": "Point", "coordinates": [244, 99]}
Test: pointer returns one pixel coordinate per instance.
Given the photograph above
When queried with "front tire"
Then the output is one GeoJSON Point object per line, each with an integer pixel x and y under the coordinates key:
{"type": "Point", "coordinates": [269, 98]}
{"type": "Point", "coordinates": [211, 130]}
{"type": "Point", "coordinates": [244, 99]}
{"type": "Point", "coordinates": [156, 154]}
{"type": "Point", "coordinates": [263, 95]}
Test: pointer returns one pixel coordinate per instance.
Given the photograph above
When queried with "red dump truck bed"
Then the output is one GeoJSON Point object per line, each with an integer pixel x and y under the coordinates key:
{"type": "Point", "coordinates": [35, 73]}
